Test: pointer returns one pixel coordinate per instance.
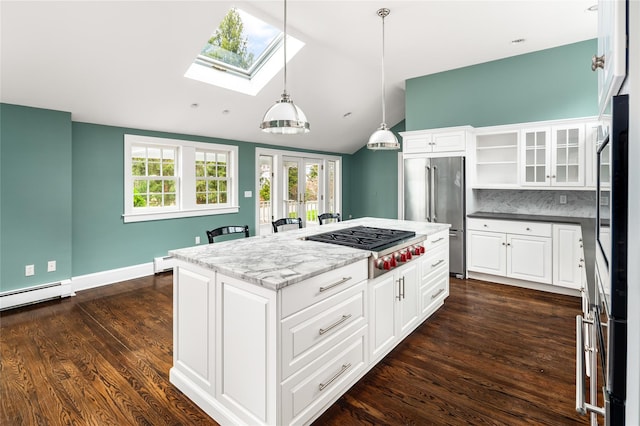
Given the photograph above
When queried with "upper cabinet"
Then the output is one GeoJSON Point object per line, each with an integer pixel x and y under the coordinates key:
{"type": "Point", "coordinates": [553, 156]}
{"type": "Point", "coordinates": [611, 59]}
{"type": "Point", "coordinates": [496, 159]}
{"type": "Point", "coordinates": [447, 141]}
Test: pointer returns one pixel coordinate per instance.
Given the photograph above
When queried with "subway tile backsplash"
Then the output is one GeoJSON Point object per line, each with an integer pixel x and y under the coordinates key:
{"type": "Point", "coordinates": [579, 203]}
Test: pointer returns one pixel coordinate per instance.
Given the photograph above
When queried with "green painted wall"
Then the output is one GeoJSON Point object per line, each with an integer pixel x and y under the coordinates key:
{"type": "Point", "coordinates": [374, 181]}
{"type": "Point", "coordinates": [545, 85]}
{"type": "Point", "coordinates": [35, 224]}
{"type": "Point", "coordinates": [550, 84]}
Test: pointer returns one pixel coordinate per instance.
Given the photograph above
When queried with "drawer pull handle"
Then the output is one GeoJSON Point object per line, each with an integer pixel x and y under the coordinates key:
{"type": "Point", "coordinates": [335, 324]}
{"type": "Point", "coordinates": [342, 281]}
{"type": "Point", "coordinates": [433, 265]}
{"type": "Point", "coordinates": [437, 294]}
{"type": "Point", "coordinates": [437, 241]}
{"type": "Point", "coordinates": [344, 368]}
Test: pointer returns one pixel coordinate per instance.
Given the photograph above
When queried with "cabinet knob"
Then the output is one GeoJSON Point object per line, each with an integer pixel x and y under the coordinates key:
{"type": "Point", "coordinates": [547, 176]}
{"type": "Point", "coordinates": [528, 229]}
{"type": "Point", "coordinates": [597, 62]}
{"type": "Point", "coordinates": [485, 225]}
{"type": "Point", "coordinates": [503, 244]}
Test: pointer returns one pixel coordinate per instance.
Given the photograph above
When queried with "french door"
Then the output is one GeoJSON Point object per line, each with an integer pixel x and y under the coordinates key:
{"type": "Point", "coordinates": [291, 185]}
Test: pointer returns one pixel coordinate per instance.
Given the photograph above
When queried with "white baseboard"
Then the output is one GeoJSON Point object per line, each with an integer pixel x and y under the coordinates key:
{"type": "Point", "coordinates": [99, 279]}
{"type": "Point", "coordinates": [36, 294]}
{"type": "Point", "coordinates": [526, 284]}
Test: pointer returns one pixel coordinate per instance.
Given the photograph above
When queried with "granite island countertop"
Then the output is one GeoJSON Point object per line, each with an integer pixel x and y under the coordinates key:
{"type": "Point", "coordinates": [277, 260]}
{"type": "Point", "coordinates": [587, 224]}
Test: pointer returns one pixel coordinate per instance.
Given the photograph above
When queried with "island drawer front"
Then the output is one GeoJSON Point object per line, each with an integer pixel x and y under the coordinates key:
{"type": "Point", "coordinates": [298, 296]}
{"type": "Point", "coordinates": [316, 329]}
{"type": "Point", "coordinates": [436, 240]}
{"type": "Point", "coordinates": [539, 229]}
{"type": "Point", "coordinates": [323, 380]}
{"type": "Point", "coordinates": [436, 260]}
{"type": "Point", "coordinates": [434, 293]}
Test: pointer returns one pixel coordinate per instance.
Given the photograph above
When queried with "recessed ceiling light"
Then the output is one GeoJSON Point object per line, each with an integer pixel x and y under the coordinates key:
{"type": "Point", "coordinates": [517, 41]}
{"type": "Point", "coordinates": [225, 111]}
{"type": "Point", "coordinates": [346, 115]}
{"type": "Point", "coordinates": [593, 8]}
{"type": "Point", "coordinates": [194, 105]}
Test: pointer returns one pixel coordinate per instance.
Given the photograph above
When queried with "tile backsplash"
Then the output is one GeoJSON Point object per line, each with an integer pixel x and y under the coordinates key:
{"type": "Point", "coordinates": [579, 203]}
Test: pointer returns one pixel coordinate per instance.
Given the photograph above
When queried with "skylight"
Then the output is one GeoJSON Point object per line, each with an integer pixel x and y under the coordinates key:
{"type": "Point", "coordinates": [243, 54]}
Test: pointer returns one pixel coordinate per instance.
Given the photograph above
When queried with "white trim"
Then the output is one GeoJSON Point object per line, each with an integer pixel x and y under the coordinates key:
{"type": "Point", "coordinates": [549, 288]}
{"type": "Point", "coordinates": [142, 217]}
{"type": "Point", "coordinates": [36, 294]}
{"type": "Point", "coordinates": [112, 276]}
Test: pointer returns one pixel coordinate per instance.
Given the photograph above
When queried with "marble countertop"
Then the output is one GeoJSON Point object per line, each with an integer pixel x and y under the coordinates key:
{"type": "Point", "coordinates": [277, 260]}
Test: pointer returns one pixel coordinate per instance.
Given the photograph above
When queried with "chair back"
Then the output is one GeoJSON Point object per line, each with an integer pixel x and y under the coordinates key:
{"type": "Point", "coordinates": [228, 230]}
{"type": "Point", "coordinates": [286, 222]}
{"type": "Point", "coordinates": [328, 217]}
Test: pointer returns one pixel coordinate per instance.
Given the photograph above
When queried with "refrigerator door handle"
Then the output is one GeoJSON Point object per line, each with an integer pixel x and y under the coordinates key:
{"type": "Point", "coordinates": [434, 193]}
{"type": "Point", "coordinates": [428, 191]}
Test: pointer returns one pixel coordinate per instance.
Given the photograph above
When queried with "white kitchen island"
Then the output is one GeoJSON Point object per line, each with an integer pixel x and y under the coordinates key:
{"type": "Point", "coordinates": [274, 329]}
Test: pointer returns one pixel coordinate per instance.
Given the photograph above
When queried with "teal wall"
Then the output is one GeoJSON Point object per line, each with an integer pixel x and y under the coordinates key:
{"type": "Point", "coordinates": [545, 85]}
{"type": "Point", "coordinates": [374, 181]}
{"type": "Point", "coordinates": [35, 224]}
{"type": "Point", "coordinates": [62, 199]}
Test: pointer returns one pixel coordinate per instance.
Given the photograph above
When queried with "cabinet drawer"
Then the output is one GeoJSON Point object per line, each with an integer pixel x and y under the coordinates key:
{"type": "Point", "coordinates": [434, 293]}
{"type": "Point", "coordinates": [298, 296]}
{"type": "Point", "coordinates": [436, 240]}
{"type": "Point", "coordinates": [323, 380]}
{"type": "Point", "coordinates": [436, 260]}
{"type": "Point", "coordinates": [314, 330]}
{"type": "Point", "coordinates": [539, 229]}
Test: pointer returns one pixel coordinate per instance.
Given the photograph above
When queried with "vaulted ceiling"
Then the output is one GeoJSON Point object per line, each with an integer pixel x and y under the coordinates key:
{"type": "Point", "coordinates": [122, 63]}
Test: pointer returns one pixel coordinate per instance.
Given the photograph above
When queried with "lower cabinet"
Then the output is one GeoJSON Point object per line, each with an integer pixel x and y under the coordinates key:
{"type": "Point", "coordinates": [528, 251]}
{"type": "Point", "coordinates": [394, 307]}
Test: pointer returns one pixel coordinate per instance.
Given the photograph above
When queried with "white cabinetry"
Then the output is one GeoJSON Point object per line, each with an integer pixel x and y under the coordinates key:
{"type": "Point", "coordinates": [394, 307]}
{"type": "Point", "coordinates": [434, 268]}
{"type": "Point", "coordinates": [435, 140]}
{"type": "Point", "coordinates": [568, 258]}
{"type": "Point", "coordinates": [496, 159]}
{"type": "Point", "coordinates": [519, 250]}
{"type": "Point", "coordinates": [553, 156]}
{"type": "Point", "coordinates": [611, 57]}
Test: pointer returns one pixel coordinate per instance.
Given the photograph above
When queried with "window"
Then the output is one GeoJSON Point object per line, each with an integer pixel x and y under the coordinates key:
{"type": "Point", "coordinates": [170, 178]}
{"type": "Point", "coordinates": [242, 54]}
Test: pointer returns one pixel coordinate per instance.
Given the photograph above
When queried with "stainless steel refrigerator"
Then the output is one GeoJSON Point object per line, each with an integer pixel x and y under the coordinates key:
{"type": "Point", "coordinates": [434, 191]}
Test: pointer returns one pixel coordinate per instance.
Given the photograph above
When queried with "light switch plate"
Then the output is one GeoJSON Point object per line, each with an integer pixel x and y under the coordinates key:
{"type": "Point", "coordinates": [247, 194]}
{"type": "Point", "coordinates": [51, 266]}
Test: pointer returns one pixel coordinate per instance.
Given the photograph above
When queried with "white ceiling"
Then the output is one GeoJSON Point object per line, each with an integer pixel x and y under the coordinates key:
{"type": "Point", "coordinates": [122, 63]}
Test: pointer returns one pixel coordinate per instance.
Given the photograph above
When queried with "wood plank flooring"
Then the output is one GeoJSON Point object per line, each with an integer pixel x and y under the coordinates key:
{"type": "Point", "coordinates": [493, 354]}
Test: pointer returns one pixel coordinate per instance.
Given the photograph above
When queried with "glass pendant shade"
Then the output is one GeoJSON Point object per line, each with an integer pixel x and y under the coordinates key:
{"type": "Point", "coordinates": [285, 118]}
{"type": "Point", "coordinates": [383, 138]}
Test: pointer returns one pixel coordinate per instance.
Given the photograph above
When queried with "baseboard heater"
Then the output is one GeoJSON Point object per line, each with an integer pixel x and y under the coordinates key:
{"type": "Point", "coordinates": [35, 294]}
{"type": "Point", "coordinates": [163, 264]}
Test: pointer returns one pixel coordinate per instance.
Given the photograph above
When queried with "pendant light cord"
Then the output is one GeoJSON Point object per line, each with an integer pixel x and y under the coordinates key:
{"type": "Point", "coordinates": [285, 47]}
{"type": "Point", "coordinates": [383, 13]}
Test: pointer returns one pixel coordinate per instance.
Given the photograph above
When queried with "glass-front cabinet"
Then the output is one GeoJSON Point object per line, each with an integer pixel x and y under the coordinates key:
{"type": "Point", "coordinates": [553, 156]}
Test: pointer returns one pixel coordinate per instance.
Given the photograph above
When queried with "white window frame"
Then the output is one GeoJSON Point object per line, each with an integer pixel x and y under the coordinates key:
{"type": "Point", "coordinates": [186, 188]}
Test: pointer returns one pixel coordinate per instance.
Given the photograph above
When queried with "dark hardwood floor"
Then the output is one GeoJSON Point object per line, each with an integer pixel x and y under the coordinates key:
{"type": "Point", "coordinates": [493, 354]}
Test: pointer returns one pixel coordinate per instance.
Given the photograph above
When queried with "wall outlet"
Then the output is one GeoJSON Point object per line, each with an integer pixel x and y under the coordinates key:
{"type": "Point", "coordinates": [51, 266]}
{"type": "Point", "coordinates": [197, 240]}
{"type": "Point", "coordinates": [563, 199]}
{"type": "Point", "coordinates": [29, 270]}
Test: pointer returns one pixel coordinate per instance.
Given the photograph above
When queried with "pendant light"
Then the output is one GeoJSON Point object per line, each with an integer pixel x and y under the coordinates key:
{"type": "Point", "coordinates": [285, 117]}
{"type": "Point", "coordinates": [383, 138]}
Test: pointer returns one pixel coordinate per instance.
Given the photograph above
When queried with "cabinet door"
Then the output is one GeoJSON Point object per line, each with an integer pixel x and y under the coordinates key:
{"type": "Point", "coordinates": [535, 156]}
{"type": "Point", "coordinates": [408, 302]}
{"type": "Point", "coordinates": [383, 292]}
{"type": "Point", "coordinates": [567, 156]}
{"type": "Point", "coordinates": [487, 252]}
{"type": "Point", "coordinates": [450, 141]}
{"type": "Point", "coordinates": [592, 135]}
{"type": "Point", "coordinates": [529, 258]}
{"type": "Point", "coordinates": [567, 256]}
{"type": "Point", "coordinates": [612, 46]}
{"type": "Point", "coordinates": [417, 144]}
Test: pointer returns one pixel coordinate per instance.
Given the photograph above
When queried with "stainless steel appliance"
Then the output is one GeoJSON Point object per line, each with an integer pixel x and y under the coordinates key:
{"type": "Point", "coordinates": [390, 247]}
{"type": "Point", "coordinates": [601, 347]}
{"type": "Point", "coordinates": [434, 192]}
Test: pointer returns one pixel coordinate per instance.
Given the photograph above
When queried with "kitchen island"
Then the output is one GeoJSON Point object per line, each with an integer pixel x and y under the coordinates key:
{"type": "Point", "coordinates": [274, 329]}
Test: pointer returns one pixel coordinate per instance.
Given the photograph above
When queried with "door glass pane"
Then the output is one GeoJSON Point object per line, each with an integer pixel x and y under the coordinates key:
{"type": "Point", "coordinates": [531, 138]}
{"type": "Point", "coordinates": [531, 156]}
{"type": "Point", "coordinates": [541, 138]}
{"type": "Point", "coordinates": [573, 155]}
{"type": "Point", "coordinates": [540, 154]}
{"type": "Point", "coordinates": [290, 198]}
{"type": "Point", "coordinates": [331, 187]}
{"type": "Point", "coordinates": [540, 176]}
{"type": "Point", "coordinates": [530, 174]}
{"type": "Point", "coordinates": [561, 155]}
{"type": "Point", "coordinates": [561, 174]}
{"type": "Point", "coordinates": [573, 137]}
{"type": "Point", "coordinates": [562, 137]}
{"type": "Point", "coordinates": [573, 173]}
{"type": "Point", "coordinates": [265, 213]}
{"type": "Point", "coordinates": [311, 191]}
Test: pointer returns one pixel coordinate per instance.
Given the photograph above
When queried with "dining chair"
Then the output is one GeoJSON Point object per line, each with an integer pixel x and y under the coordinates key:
{"type": "Point", "coordinates": [286, 223]}
{"type": "Point", "coordinates": [329, 217]}
{"type": "Point", "coordinates": [227, 230]}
